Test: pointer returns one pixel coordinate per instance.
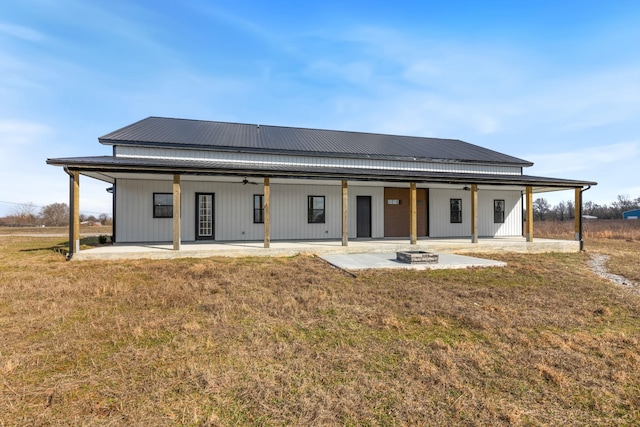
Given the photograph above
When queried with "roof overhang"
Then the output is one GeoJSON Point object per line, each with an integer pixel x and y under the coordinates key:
{"type": "Point", "coordinates": [106, 168]}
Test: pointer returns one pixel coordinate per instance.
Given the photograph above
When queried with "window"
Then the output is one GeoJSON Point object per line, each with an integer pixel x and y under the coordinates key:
{"type": "Point", "coordinates": [498, 211]}
{"type": "Point", "coordinates": [456, 211]}
{"type": "Point", "coordinates": [162, 205]}
{"type": "Point", "coordinates": [258, 209]}
{"type": "Point", "coordinates": [316, 210]}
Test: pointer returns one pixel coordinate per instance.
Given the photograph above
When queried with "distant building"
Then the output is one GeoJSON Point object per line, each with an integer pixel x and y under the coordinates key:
{"type": "Point", "coordinates": [632, 214]}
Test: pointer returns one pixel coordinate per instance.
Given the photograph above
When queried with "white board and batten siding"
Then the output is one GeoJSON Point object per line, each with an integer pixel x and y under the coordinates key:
{"type": "Point", "coordinates": [440, 221]}
{"type": "Point", "coordinates": [377, 210]}
{"type": "Point", "coordinates": [134, 211]}
{"type": "Point", "coordinates": [320, 161]}
{"type": "Point", "coordinates": [233, 211]}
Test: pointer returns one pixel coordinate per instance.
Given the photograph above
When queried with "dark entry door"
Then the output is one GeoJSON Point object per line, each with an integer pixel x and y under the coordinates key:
{"type": "Point", "coordinates": [204, 216]}
{"type": "Point", "coordinates": [363, 216]}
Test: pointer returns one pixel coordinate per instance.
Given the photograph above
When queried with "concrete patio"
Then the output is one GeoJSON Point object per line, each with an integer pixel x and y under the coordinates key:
{"type": "Point", "coordinates": [165, 250]}
{"type": "Point", "coordinates": [388, 261]}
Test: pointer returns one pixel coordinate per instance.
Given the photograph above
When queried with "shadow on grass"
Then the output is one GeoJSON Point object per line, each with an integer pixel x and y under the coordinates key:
{"type": "Point", "coordinates": [62, 248]}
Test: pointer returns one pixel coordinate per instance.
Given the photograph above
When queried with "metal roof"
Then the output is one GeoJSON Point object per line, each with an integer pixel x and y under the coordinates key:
{"type": "Point", "coordinates": [210, 135]}
{"type": "Point", "coordinates": [107, 164]}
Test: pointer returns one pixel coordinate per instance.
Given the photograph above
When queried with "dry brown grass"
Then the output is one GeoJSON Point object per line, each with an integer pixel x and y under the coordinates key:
{"type": "Point", "coordinates": [84, 229]}
{"type": "Point", "coordinates": [293, 341]}
{"type": "Point", "coordinates": [620, 239]}
{"type": "Point", "coordinates": [624, 256]}
{"type": "Point", "coordinates": [618, 229]}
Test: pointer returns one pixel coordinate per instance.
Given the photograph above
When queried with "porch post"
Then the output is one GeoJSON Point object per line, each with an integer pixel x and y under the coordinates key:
{"type": "Point", "coordinates": [74, 214]}
{"type": "Point", "coordinates": [474, 213]}
{"type": "Point", "coordinates": [414, 214]}
{"type": "Point", "coordinates": [578, 214]}
{"type": "Point", "coordinates": [267, 213]}
{"type": "Point", "coordinates": [345, 213]}
{"type": "Point", "coordinates": [529, 225]}
{"type": "Point", "coordinates": [176, 212]}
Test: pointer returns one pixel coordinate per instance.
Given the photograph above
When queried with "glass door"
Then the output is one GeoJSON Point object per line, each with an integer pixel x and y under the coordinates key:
{"type": "Point", "coordinates": [204, 216]}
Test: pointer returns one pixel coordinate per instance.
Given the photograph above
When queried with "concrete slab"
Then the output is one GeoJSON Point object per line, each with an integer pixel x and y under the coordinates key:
{"type": "Point", "coordinates": [164, 250]}
{"type": "Point", "coordinates": [445, 261]}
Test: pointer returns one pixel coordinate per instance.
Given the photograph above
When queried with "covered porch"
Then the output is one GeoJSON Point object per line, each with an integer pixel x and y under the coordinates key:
{"type": "Point", "coordinates": [474, 243]}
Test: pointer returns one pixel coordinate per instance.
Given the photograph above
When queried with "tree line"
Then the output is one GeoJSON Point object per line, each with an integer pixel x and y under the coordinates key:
{"type": "Point", "coordinates": [57, 214]}
{"type": "Point", "coordinates": [543, 211]}
{"type": "Point", "coordinates": [53, 215]}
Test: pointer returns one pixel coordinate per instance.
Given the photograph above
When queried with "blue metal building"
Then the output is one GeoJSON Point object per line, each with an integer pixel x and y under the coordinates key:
{"type": "Point", "coordinates": [633, 214]}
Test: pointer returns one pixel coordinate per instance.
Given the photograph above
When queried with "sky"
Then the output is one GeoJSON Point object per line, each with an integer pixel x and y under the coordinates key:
{"type": "Point", "coordinates": [553, 82]}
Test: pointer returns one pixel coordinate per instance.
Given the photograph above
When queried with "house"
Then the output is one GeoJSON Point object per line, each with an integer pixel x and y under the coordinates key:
{"type": "Point", "coordinates": [632, 214]}
{"type": "Point", "coordinates": [178, 180]}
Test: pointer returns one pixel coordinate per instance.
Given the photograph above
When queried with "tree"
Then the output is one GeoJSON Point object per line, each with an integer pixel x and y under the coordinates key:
{"type": "Point", "coordinates": [570, 209]}
{"type": "Point", "coordinates": [25, 214]}
{"type": "Point", "coordinates": [560, 210]}
{"type": "Point", "coordinates": [540, 208]}
{"type": "Point", "coordinates": [104, 219]}
{"type": "Point", "coordinates": [55, 214]}
{"type": "Point", "coordinates": [622, 204]}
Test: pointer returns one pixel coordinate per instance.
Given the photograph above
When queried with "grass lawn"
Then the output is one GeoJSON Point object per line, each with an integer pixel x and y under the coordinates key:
{"type": "Point", "coordinates": [293, 341]}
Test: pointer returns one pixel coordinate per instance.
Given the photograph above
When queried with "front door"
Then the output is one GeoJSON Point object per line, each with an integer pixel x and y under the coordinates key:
{"type": "Point", "coordinates": [397, 212]}
{"type": "Point", "coordinates": [363, 216]}
{"type": "Point", "coordinates": [204, 216]}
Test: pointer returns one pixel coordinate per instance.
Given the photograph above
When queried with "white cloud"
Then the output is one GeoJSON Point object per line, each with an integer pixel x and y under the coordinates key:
{"type": "Point", "coordinates": [21, 32]}
{"type": "Point", "coordinates": [357, 72]}
{"type": "Point", "coordinates": [586, 100]}
{"type": "Point", "coordinates": [587, 158]}
{"type": "Point", "coordinates": [15, 132]}
{"type": "Point", "coordinates": [407, 84]}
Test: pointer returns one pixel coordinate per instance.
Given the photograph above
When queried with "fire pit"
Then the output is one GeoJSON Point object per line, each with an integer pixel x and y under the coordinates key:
{"type": "Point", "coordinates": [417, 257]}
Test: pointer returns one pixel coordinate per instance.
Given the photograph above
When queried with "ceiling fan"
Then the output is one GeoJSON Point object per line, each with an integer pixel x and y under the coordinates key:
{"type": "Point", "coordinates": [245, 181]}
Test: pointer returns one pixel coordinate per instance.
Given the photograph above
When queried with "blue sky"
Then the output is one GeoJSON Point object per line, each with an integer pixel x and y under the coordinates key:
{"type": "Point", "coordinates": [553, 82]}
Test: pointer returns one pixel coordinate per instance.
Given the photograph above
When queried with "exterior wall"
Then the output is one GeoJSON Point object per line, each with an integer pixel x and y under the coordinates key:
{"type": "Point", "coordinates": [257, 158]}
{"type": "Point", "coordinates": [134, 211]}
{"type": "Point", "coordinates": [377, 210]}
{"type": "Point", "coordinates": [512, 225]}
{"type": "Point", "coordinates": [439, 213]}
{"type": "Point", "coordinates": [233, 211]}
{"type": "Point", "coordinates": [233, 214]}
{"type": "Point", "coordinates": [289, 212]}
